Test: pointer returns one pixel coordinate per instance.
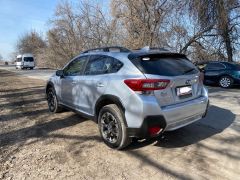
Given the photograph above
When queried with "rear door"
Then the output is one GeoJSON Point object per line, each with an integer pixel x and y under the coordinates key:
{"type": "Point", "coordinates": [213, 70]}
{"type": "Point", "coordinates": [28, 62]}
{"type": "Point", "coordinates": [183, 75]}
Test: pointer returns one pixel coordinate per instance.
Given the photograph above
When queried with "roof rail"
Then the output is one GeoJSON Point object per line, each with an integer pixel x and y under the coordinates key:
{"type": "Point", "coordinates": [108, 49]}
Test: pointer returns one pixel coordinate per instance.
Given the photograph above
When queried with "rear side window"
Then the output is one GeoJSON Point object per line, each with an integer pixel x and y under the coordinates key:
{"type": "Point", "coordinates": [165, 66]}
{"type": "Point", "coordinates": [215, 66]}
{"type": "Point", "coordinates": [28, 59]}
{"type": "Point", "coordinates": [100, 64]}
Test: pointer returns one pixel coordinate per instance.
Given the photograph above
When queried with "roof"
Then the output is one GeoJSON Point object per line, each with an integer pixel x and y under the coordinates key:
{"type": "Point", "coordinates": [108, 49]}
{"type": "Point", "coordinates": [132, 54]}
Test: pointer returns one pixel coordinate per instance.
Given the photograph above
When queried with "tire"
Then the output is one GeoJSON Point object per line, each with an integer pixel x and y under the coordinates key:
{"type": "Point", "coordinates": [112, 127]}
{"type": "Point", "coordinates": [53, 104]}
{"type": "Point", "coordinates": [225, 82]}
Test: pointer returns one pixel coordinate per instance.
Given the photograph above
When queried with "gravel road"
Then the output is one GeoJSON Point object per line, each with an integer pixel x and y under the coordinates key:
{"type": "Point", "coordinates": [35, 144]}
{"type": "Point", "coordinates": [36, 73]}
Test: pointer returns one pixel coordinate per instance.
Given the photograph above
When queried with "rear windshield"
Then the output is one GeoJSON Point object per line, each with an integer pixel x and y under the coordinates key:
{"type": "Point", "coordinates": [28, 59]}
{"type": "Point", "coordinates": [165, 66]}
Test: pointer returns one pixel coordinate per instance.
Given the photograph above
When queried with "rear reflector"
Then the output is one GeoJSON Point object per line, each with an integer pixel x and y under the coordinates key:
{"type": "Point", "coordinates": [154, 130]}
{"type": "Point", "coordinates": [146, 84]}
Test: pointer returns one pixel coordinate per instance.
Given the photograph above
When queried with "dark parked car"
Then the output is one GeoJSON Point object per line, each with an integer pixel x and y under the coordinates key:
{"type": "Point", "coordinates": [223, 73]}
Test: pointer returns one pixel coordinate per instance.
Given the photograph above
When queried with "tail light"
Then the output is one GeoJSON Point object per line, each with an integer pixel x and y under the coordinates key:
{"type": "Point", "coordinates": [201, 77]}
{"type": "Point", "coordinates": [146, 84]}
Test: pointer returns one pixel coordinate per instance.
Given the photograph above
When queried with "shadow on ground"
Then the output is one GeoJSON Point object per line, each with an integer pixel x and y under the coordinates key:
{"type": "Point", "coordinates": [41, 130]}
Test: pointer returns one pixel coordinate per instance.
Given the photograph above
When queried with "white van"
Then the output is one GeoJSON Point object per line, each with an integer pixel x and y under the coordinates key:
{"type": "Point", "coordinates": [25, 61]}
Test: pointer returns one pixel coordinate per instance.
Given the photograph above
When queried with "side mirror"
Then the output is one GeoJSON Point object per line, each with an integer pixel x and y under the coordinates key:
{"type": "Point", "coordinates": [59, 73]}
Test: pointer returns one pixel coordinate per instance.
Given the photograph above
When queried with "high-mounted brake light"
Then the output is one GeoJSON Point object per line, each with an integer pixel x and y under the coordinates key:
{"type": "Point", "coordinates": [146, 84]}
{"type": "Point", "coordinates": [146, 59]}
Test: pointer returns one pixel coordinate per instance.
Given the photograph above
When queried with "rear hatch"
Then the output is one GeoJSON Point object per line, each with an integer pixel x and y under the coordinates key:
{"type": "Point", "coordinates": [28, 61]}
{"type": "Point", "coordinates": [183, 75]}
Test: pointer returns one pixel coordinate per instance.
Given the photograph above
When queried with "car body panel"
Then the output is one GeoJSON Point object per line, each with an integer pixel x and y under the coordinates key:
{"type": "Point", "coordinates": [22, 61]}
{"type": "Point", "coordinates": [84, 93]}
{"type": "Point", "coordinates": [213, 75]}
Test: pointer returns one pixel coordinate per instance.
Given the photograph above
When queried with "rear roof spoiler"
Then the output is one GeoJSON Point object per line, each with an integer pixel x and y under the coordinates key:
{"type": "Point", "coordinates": [136, 55]}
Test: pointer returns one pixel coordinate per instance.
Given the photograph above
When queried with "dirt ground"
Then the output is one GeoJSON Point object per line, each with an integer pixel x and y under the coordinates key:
{"type": "Point", "coordinates": [35, 144]}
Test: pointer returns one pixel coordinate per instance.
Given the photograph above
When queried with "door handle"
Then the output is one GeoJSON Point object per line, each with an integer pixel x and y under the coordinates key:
{"type": "Point", "coordinates": [100, 85]}
{"type": "Point", "coordinates": [74, 82]}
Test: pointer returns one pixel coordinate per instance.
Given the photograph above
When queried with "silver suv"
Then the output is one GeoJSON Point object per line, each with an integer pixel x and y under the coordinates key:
{"type": "Point", "coordinates": [130, 93]}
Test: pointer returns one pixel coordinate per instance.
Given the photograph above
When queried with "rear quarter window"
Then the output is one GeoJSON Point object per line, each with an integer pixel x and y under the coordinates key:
{"type": "Point", "coordinates": [165, 66]}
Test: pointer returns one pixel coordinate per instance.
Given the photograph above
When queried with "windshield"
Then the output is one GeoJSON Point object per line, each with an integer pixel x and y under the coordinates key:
{"type": "Point", "coordinates": [28, 59]}
{"type": "Point", "coordinates": [19, 59]}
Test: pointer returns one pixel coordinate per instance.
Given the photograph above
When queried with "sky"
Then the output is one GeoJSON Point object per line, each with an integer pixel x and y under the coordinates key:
{"type": "Point", "coordinates": [19, 16]}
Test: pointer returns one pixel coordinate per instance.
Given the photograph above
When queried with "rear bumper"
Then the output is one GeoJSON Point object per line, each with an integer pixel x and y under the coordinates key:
{"type": "Point", "coordinates": [149, 121]}
{"type": "Point", "coordinates": [173, 117]}
{"type": "Point", "coordinates": [185, 113]}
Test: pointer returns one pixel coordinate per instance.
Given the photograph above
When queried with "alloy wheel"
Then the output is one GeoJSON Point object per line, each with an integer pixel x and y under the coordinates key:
{"type": "Point", "coordinates": [109, 127]}
{"type": "Point", "coordinates": [225, 82]}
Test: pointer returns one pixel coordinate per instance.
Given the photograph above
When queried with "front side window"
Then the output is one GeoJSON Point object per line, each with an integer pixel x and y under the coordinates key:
{"type": "Point", "coordinates": [75, 67]}
{"type": "Point", "coordinates": [19, 59]}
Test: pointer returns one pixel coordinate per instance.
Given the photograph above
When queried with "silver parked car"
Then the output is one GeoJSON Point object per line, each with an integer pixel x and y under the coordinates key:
{"type": "Point", "coordinates": [130, 93]}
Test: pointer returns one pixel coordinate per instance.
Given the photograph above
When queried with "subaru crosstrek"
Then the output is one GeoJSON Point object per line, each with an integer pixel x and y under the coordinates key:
{"type": "Point", "coordinates": [130, 93]}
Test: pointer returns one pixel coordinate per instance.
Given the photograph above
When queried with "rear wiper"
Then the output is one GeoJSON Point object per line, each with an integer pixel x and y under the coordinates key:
{"type": "Point", "coordinates": [190, 70]}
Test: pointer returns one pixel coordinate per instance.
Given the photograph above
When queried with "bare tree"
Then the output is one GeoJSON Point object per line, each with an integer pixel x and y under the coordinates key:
{"type": "Point", "coordinates": [76, 28]}
{"type": "Point", "coordinates": [219, 13]}
{"type": "Point", "coordinates": [30, 42]}
{"type": "Point", "coordinates": [142, 20]}
{"type": "Point", "coordinates": [203, 30]}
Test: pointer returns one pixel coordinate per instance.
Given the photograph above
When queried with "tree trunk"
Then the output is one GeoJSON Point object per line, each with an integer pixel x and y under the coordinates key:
{"type": "Point", "coordinates": [228, 47]}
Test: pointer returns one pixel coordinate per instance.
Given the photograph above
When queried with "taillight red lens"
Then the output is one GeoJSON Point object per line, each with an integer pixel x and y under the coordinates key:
{"type": "Point", "coordinates": [146, 84]}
